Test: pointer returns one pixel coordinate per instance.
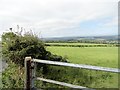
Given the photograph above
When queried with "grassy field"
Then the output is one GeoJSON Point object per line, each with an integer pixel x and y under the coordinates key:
{"type": "Point", "coordinates": [99, 56]}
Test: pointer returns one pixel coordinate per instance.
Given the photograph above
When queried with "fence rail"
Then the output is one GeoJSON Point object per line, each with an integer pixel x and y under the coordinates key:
{"type": "Point", "coordinates": [30, 72]}
{"type": "Point", "coordinates": [114, 70]}
{"type": "Point", "coordinates": [60, 83]}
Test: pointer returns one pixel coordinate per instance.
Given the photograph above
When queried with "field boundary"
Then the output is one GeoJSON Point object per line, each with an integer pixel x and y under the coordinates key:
{"type": "Point", "coordinates": [94, 45]}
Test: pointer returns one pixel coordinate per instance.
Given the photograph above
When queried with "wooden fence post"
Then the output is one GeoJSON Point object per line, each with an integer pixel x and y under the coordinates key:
{"type": "Point", "coordinates": [28, 73]}
{"type": "Point", "coordinates": [33, 70]}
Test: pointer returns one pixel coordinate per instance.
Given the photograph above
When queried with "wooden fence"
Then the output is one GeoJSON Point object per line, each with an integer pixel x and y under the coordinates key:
{"type": "Point", "coordinates": [30, 68]}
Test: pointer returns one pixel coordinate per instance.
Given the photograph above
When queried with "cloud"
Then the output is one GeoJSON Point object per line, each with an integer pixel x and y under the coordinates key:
{"type": "Point", "coordinates": [48, 16]}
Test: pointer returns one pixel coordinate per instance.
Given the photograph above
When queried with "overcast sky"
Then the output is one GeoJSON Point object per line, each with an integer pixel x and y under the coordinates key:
{"type": "Point", "coordinates": [59, 18]}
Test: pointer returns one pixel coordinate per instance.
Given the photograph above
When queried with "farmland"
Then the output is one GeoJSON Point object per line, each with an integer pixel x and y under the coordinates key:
{"type": "Point", "coordinates": [98, 56]}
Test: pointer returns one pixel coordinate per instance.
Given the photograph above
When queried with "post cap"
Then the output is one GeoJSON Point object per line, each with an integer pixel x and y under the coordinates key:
{"type": "Point", "coordinates": [27, 58]}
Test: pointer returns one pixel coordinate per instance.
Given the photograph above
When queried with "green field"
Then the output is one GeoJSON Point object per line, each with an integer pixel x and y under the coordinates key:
{"type": "Point", "coordinates": [99, 56]}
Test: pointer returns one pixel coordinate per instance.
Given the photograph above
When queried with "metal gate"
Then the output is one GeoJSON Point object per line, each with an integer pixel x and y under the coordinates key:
{"type": "Point", "coordinates": [30, 68]}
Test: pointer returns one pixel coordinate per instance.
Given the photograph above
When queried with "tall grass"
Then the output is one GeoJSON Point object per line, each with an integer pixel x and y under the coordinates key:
{"type": "Point", "coordinates": [82, 77]}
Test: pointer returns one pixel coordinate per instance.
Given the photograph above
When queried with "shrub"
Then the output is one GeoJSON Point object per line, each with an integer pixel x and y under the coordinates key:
{"type": "Point", "coordinates": [16, 48]}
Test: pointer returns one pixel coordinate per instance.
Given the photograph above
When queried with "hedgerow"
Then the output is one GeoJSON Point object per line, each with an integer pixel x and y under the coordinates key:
{"type": "Point", "coordinates": [17, 47]}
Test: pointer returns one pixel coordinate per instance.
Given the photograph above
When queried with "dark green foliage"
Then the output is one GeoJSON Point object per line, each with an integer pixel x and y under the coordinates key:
{"type": "Point", "coordinates": [13, 76]}
{"type": "Point", "coordinates": [16, 48]}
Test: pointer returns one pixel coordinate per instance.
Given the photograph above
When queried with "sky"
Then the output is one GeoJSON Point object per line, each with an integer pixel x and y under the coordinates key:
{"type": "Point", "coordinates": [60, 18]}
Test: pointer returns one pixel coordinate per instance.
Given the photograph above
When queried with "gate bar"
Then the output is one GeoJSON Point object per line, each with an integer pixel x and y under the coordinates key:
{"type": "Point", "coordinates": [63, 84]}
{"type": "Point", "coordinates": [114, 70]}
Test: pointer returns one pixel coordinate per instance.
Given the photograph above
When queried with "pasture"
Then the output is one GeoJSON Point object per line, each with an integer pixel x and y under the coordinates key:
{"type": "Point", "coordinates": [98, 56]}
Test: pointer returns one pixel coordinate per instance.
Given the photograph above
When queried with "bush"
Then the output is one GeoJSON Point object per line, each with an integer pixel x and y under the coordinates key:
{"type": "Point", "coordinates": [13, 76]}
{"type": "Point", "coordinates": [16, 48]}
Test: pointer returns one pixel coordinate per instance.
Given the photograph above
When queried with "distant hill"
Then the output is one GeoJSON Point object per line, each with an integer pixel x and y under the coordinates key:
{"type": "Point", "coordinates": [108, 38]}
